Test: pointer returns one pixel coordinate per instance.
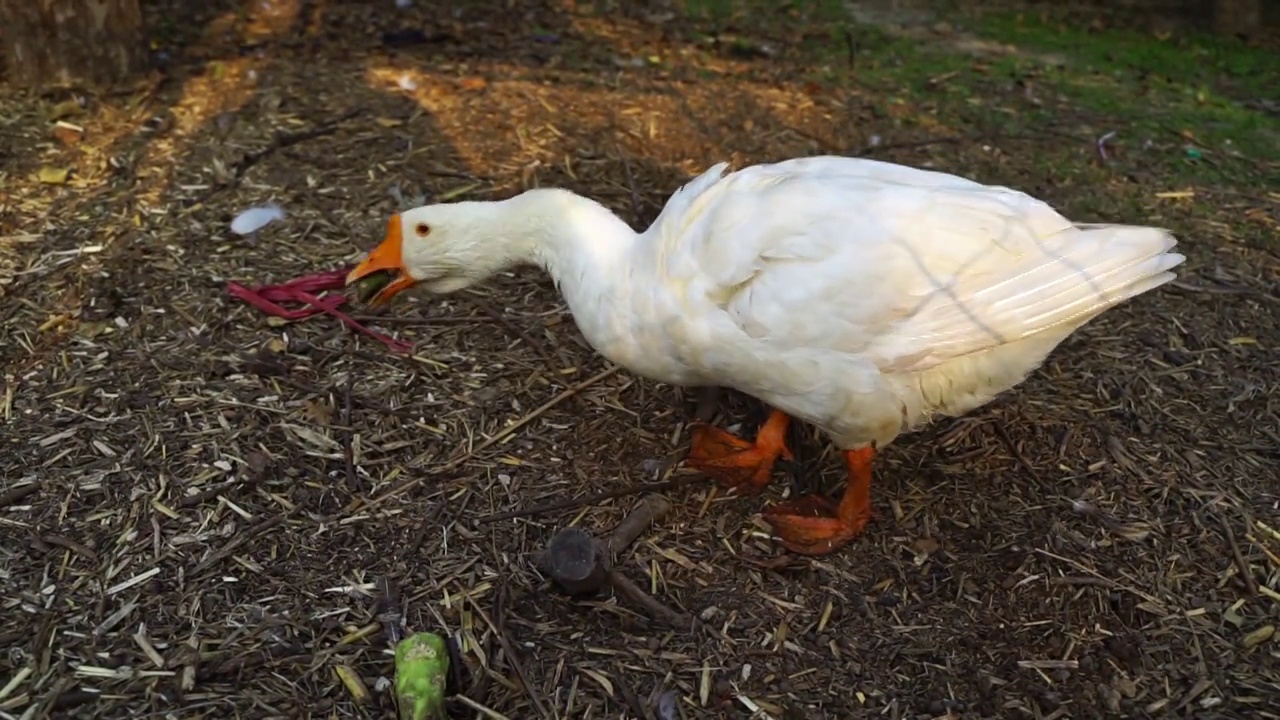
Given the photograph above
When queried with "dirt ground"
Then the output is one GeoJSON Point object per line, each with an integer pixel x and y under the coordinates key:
{"type": "Point", "coordinates": [201, 505]}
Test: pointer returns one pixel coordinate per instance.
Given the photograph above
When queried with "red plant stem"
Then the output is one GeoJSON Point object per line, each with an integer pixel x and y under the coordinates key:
{"type": "Point", "coordinates": [267, 298]}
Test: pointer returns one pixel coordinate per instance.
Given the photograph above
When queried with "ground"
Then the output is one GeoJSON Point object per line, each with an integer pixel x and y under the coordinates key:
{"type": "Point", "coordinates": [200, 502]}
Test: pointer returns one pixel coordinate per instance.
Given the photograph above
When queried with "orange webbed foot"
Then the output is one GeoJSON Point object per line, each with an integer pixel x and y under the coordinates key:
{"type": "Point", "coordinates": [736, 463]}
{"type": "Point", "coordinates": [814, 525]}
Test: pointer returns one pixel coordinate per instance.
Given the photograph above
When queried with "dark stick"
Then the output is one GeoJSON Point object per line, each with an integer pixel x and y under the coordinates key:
{"type": "Point", "coordinates": [249, 534]}
{"type": "Point", "coordinates": [72, 545]}
{"type": "Point", "coordinates": [650, 509]}
{"type": "Point", "coordinates": [14, 495]}
{"type": "Point", "coordinates": [195, 499]}
{"type": "Point", "coordinates": [633, 700]}
{"type": "Point", "coordinates": [631, 184]}
{"type": "Point", "coordinates": [283, 140]}
{"type": "Point", "coordinates": [1243, 566]}
{"type": "Point", "coordinates": [1017, 454]}
{"type": "Point", "coordinates": [656, 610]}
{"type": "Point", "coordinates": [348, 452]}
{"type": "Point", "coordinates": [513, 658]}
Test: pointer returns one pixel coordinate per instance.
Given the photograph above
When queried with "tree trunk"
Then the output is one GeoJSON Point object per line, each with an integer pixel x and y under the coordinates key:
{"type": "Point", "coordinates": [72, 42]}
{"type": "Point", "coordinates": [1237, 18]}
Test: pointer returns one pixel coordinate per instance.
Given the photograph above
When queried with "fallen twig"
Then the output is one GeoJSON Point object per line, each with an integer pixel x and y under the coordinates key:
{"type": "Point", "coordinates": [623, 585]}
{"type": "Point", "coordinates": [194, 499]}
{"type": "Point", "coordinates": [1015, 452]}
{"type": "Point", "coordinates": [512, 657]}
{"type": "Point", "coordinates": [498, 437]}
{"type": "Point", "coordinates": [651, 509]}
{"type": "Point", "coordinates": [348, 451]}
{"type": "Point", "coordinates": [283, 140]}
{"type": "Point", "coordinates": [248, 535]}
{"type": "Point", "coordinates": [1245, 574]}
{"type": "Point", "coordinates": [585, 500]}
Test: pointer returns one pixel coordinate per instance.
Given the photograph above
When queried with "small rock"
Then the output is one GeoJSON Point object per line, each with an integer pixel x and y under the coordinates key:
{"type": "Point", "coordinates": [1125, 686]}
{"type": "Point", "coordinates": [1121, 649]}
{"type": "Point", "coordinates": [258, 462]}
{"type": "Point", "coordinates": [1110, 698]}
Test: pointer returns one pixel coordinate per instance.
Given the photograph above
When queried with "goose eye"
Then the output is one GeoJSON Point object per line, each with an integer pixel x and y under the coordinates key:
{"type": "Point", "coordinates": [422, 229]}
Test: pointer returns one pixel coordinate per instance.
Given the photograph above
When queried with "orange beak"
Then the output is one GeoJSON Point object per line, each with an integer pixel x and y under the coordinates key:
{"type": "Point", "coordinates": [386, 257]}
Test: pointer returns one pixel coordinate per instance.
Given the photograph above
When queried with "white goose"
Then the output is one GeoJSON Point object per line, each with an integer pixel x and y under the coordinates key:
{"type": "Point", "coordinates": [861, 296]}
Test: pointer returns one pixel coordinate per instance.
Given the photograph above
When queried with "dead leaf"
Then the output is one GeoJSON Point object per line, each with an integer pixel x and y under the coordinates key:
{"type": "Point", "coordinates": [387, 122]}
{"type": "Point", "coordinates": [318, 412]}
{"type": "Point", "coordinates": [312, 438]}
{"type": "Point", "coordinates": [67, 134]}
{"type": "Point", "coordinates": [599, 678]}
{"type": "Point", "coordinates": [927, 545]}
{"type": "Point", "coordinates": [91, 330]}
{"type": "Point", "coordinates": [50, 175]}
{"type": "Point", "coordinates": [474, 83]}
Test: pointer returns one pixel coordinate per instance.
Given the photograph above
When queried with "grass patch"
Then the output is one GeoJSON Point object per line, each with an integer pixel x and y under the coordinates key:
{"type": "Point", "coordinates": [1204, 90]}
{"type": "Point", "coordinates": [1195, 63]}
{"type": "Point", "coordinates": [1188, 108]}
{"type": "Point", "coordinates": [726, 10]}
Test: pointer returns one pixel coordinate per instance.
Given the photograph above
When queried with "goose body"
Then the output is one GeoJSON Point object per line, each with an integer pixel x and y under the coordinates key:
{"type": "Point", "coordinates": [863, 297]}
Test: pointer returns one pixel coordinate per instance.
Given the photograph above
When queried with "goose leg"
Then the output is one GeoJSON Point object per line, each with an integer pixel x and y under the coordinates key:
{"type": "Point", "coordinates": [814, 525]}
{"type": "Point", "coordinates": [734, 462]}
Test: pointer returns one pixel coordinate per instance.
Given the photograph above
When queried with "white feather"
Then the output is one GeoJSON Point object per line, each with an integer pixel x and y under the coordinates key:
{"type": "Point", "coordinates": [255, 218]}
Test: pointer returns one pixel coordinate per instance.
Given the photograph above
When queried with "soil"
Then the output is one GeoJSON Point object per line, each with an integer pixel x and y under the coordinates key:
{"type": "Point", "coordinates": [201, 503]}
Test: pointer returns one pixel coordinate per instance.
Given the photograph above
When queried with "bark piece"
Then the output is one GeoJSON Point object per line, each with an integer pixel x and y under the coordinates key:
{"type": "Point", "coordinates": [91, 43]}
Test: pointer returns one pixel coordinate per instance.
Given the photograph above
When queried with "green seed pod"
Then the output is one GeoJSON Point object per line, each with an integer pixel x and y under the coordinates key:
{"type": "Point", "coordinates": [369, 286]}
{"type": "Point", "coordinates": [422, 668]}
